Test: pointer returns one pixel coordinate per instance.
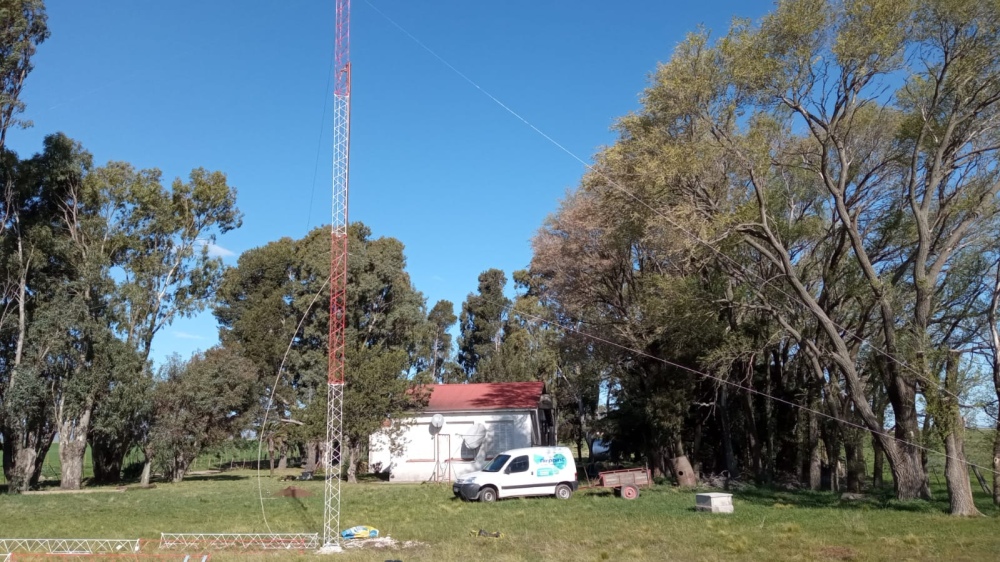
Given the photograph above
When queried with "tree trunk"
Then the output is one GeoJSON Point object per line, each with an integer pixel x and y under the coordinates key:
{"type": "Point", "coordinates": [755, 448]}
{"type": "Point", "coordinates": [26, 453]}
{"type": "Point", "coordinates": [353, 458]}
{"type": "Point", "coordinates": [108, 460]}
{"type": "Point", "coordinates": [814, 459]}
{"type": "Point", "coordinates": [8, 453]}
{"type": "Point", "coordinates": [23, 471]}
{"type": "Point", "coordinates": [956, 474]}
{"type": "Point", "coordinates": [878, 464]}
{"type": "Point", "coordinates": [727, 435]}
{"type": "Point", "coordinates": [71, 463]}
{"type": "Point", "coordinates": [270, 456]}
{"type": "Point", "coordinates": [180, 468]}
{"type": "Point", "coordinates": [991, 319]}
{"type": "Point", "coordinates": [147, 467]}
{"type": "Point", "coordinates": [956, 470]}
{"type": "Point", "coordinates": [283, 461]}
{"type": "Point", "coordinates": [909, 478]}
{"type": "Point", "coordinates": [72, 448]}
{"type": "Point", "coordinates": [311, 452]}
{"type": "Point", "coordinates": [996, 461]}
{"type": "Point", "coordinates": [855, 453]}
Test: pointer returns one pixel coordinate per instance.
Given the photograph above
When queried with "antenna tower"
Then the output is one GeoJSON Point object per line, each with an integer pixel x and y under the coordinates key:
{"type": "Point", "coordinates": [338, 277]}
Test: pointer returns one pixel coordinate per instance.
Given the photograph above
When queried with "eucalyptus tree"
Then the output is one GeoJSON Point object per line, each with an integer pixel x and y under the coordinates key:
{"type": "Point", "coordinates": [35, 272]}
{"type": "Point", "coordinates": [481, 322]}
{"type": "Point", "coordinates": [276, 299]}
{"type": "Point", "coordinates": [433, 361]}
{"type": "Point", "coordinates": [23, 26]}
{"type": "Point", "coordinates": [856, 141]}
{"type": "Point", "coordinates": [197, 404]}
{"type": "Point", "coordinates": [165, 269]}
{"type": "Point", "coordinates": [609, 271]}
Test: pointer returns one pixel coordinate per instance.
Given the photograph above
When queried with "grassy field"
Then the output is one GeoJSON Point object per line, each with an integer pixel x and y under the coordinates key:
{"type": "Point", "coordinates": [593, 525]}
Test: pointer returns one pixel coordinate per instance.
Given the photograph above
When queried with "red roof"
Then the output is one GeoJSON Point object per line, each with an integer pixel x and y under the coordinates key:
{"type": "Point", "coordinates": [484, 396]}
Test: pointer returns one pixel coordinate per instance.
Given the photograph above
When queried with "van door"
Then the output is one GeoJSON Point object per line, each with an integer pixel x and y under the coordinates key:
{"type": "Point", "coordinates": [517, 477]}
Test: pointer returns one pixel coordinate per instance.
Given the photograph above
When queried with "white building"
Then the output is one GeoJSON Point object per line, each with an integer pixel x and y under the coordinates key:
{"type": "Point", "coordinates": [462, 428]}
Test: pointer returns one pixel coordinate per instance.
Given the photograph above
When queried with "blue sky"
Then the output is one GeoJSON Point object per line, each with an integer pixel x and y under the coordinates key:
{"type": "Point", "coordinates": [242, 87]}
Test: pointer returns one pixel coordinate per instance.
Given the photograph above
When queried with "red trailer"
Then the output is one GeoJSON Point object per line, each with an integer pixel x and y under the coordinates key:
{"type": "Point", "coordinates": [625, 482]}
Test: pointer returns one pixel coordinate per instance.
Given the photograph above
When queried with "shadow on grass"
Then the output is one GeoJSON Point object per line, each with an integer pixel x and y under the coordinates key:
{"type": "Point", "coordinates": [873, 499]}
{"type": "Point", "coordinates": [373, 477]}
{"type": "Point", "coordinates": [222, 477]}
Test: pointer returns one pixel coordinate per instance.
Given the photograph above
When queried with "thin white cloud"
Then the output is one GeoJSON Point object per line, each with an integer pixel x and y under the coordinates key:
{"type": "Point", "coordinates": [186, 335]}
{"type": "Point", "coordinates": [219, 252]}
{"type": "Point", "coordinates": [216, 251]}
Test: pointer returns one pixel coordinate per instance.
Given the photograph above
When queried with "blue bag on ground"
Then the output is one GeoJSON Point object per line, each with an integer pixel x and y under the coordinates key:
{"type": "Point", "coordinates": [360, 532]}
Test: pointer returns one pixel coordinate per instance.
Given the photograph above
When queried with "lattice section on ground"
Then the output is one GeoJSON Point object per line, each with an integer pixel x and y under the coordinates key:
{"type": "Point", "coordinates": [69, 546]}
{"type": "Point", "coordinates": [240, 541]}
{"type": "Point", "coordinates": [116, 556]}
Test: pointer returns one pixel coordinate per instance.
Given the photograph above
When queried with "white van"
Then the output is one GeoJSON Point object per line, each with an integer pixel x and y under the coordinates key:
{"type": "Point", "coordinates": [533, 471]}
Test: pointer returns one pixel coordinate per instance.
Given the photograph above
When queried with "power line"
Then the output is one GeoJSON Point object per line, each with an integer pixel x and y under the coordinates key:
{"type": "Point", "coordinates": [274, 388]}
{"type": "Point", "coordinates": [850, 333]}
{"type": "Point", "coordinates": [736, 385]}
{"type": "Point", "coordinates": [693, 236]}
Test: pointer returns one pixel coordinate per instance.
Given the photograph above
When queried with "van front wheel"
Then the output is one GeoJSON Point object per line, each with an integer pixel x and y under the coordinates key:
{"type": "Point", "coordinates": [487, 495]}
{"type": "Point", "coordinates": [563, 492]}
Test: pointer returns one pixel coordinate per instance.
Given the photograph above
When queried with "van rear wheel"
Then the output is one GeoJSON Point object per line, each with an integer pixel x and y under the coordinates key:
{"type": "Point", "coordinates": [487, 495]}
{"type": "Point", "coordinates": [564, 492]}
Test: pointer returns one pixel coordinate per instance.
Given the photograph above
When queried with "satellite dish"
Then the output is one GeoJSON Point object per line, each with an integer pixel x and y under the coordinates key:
{"type": "Point", "coordinates": [437, 420]}
{"type": "Point", "coordinates": [476, 436]}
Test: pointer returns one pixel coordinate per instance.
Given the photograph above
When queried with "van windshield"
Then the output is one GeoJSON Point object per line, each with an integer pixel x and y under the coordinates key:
{"type": "Point", "coordinates": [497, 463]}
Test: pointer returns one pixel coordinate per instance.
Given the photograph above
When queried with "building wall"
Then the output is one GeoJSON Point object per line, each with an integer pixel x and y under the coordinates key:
{"type": "Point", "coordinates": [427, 453]}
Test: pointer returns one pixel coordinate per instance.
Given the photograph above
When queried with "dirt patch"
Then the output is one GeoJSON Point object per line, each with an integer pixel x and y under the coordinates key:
{"type": "Point", "coordinates": [80, 491]}
{"type": "Point", "coordinates": [294, 492]}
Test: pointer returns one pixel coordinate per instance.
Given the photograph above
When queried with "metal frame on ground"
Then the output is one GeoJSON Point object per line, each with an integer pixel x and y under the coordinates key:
{"type": "Point", "coordinates": [69, 546]}
{"type": "Point", "coordinates": [242, 541]}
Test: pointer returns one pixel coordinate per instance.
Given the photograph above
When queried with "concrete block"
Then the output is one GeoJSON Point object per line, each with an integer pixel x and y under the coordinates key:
{"type": "Point", "coordinates": [716, 502]}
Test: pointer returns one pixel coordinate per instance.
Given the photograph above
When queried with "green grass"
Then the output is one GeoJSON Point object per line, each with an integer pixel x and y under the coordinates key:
{"type": "Point", "coordinates": [593, 525]}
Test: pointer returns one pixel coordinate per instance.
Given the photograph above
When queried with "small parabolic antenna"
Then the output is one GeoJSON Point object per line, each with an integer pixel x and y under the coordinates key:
{"type": "Point", "coordinates": [476, 436]}
{"type": "Point", "coordinates": [437, 420]}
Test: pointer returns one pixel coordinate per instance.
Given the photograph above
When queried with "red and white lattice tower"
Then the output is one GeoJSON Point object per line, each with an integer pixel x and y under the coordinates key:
{"type": "Point", "coordinates": [338, 276]}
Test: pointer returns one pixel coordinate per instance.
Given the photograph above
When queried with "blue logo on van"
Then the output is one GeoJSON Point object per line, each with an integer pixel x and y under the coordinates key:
{"type": "Point", "coordinates": [558, 460]}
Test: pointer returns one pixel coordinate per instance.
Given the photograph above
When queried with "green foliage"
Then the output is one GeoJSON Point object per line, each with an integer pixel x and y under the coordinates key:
{"type": "Point", "coordinates": [23, 26]}
{"type": "Point", "coordinates": [433, 360]}
{"type": "Point", "coordinates": [198, 404]}
{"type": "Point", "coordinates": [481, 322]}
{"type": "Point", "coordinates": [277, 299]}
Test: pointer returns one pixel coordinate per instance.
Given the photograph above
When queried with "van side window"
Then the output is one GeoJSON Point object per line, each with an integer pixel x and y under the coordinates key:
{"type": "Point", "coordinates": [519, 464]}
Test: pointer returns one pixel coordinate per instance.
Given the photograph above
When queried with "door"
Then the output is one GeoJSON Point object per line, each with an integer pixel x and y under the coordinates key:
{"type": "Point", "coordinates": [516, 477]}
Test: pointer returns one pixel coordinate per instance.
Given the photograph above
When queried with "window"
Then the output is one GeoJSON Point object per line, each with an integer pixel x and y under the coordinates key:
{"type": "Point", "coordinates": [501, 437]}
{"type": "Point", "coordinates": [497, 464]}
{"type": "Point", "coordinates": [519, 464]}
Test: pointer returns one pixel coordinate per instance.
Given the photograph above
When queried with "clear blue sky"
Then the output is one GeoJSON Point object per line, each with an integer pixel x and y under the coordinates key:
{"type": "Point", "coordinates": [242, 87]}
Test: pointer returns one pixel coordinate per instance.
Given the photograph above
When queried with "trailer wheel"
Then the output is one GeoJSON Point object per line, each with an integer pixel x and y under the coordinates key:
{"type": "Point", "coordinates": [487, 495]}
{"type": "Point", "coordinates": [564, 492]}
{"type": "Point", "coordinates": [630, 492]}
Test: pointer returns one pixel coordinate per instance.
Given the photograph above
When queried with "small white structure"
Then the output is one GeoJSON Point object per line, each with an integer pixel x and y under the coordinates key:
{"type": "Point", "coordinates": [716, 502]}
{"type": "Point", "coordinates": [462, 428]}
